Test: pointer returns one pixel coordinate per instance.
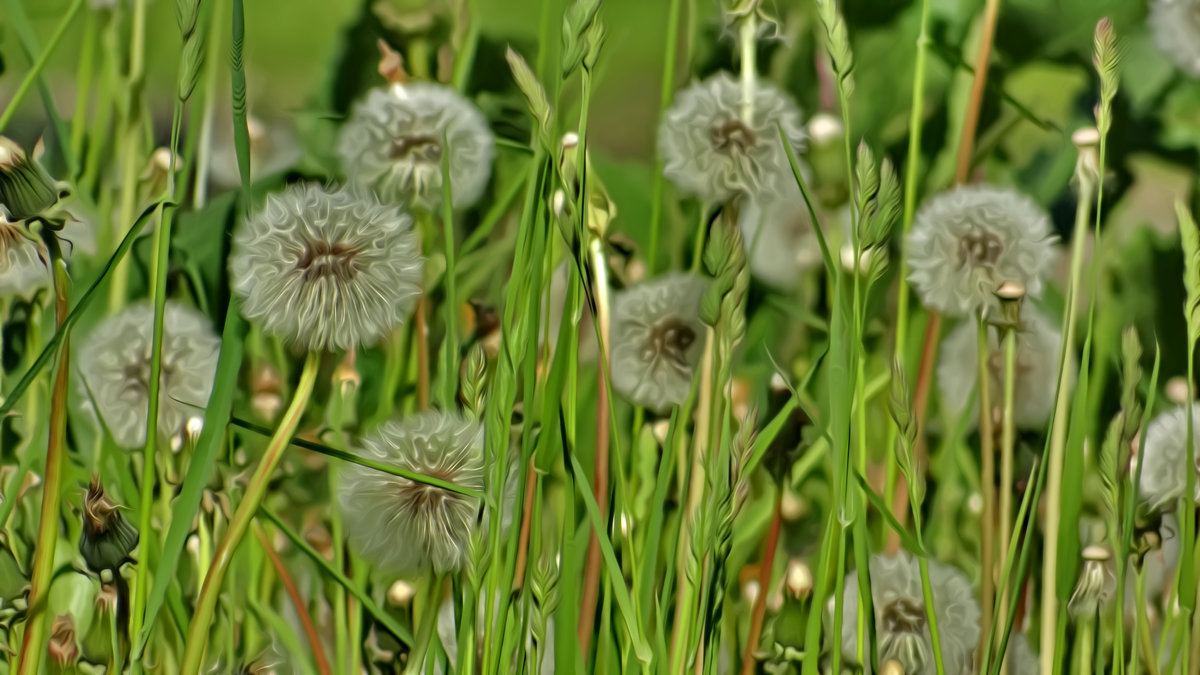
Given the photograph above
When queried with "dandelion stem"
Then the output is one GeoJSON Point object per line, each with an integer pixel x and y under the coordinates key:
{"type": "Point", "coordinates": [206, 603]}
{"type": "Point", "coordinates": [747, 28]}
{"type": "Point", "coordinates": [429, 619]}
{"type": "Point", "coordinates": [764, 584]}
{"type": "Point", "coordinates": [33, 642]}
{"type": "Point", "coordinates": [421, 331]}
{"type": "Point", "coordinates": [289, 585]}
{"type": "Point", "coordinates": [1007, 443]}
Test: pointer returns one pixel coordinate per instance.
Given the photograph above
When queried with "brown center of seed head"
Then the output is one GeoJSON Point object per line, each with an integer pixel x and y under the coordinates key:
{"type": "Point", "coordinates": [904, 616]}
{"type": "Point", "coordinates": [325, 259]}
{"type": "Point", "coordinates": [980, 248]}
{"type": "Point", "coordinates": [97, 509]}
{"type": "Point", "coordinates": [419, 147]}
{"type": "Point", "coordinates": [732, 136]}
{"type": "Point", "coordinates": [137, 372]}
{"type": "Point", "coordinates": [423, 497]}
{"type": "Point", "coordinates": [670, 339]}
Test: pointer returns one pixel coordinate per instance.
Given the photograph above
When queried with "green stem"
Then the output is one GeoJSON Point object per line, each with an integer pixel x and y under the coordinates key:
{"type": "Point", "coordinates": [1007, 448]}
{"type": "Point", "coordinates": [429, 619]}
{"type": "Point", "coordinates": [40, 64]}
{"type": "Point", "coordinates": [668, 87]}
{"type": "Point", "coordinates": [987, 439]}
{"type": "Point", "coordinates": [201, 624]}
{"type": "Point", "coordinates": [32, 644]}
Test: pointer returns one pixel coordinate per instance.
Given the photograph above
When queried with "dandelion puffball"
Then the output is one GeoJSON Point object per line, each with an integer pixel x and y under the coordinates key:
{"type": "Point", "coordinates": [711, 152]}
{"type": "Point", "coordinates": [393, 144]}
{"type": "Point", "coordinates": [1176, 26]}
{"type": "Point", "coordinates": [969, 239]}
{"type": "Point", "coordinates": [114, 366]}
{"type": "Point", "coordinates": [326, 268]}
{"type": "Point", "coordinates": [657, 340]}
{"type": "Point", "coordinates": [781, 240]}
{"type": "Point", "coordinates": [1035, 371]}
{"type": "Point", "coordinates": [406, 527]}
{"type": "Point", "coordinates": [1164, 458]}
{"type": "Point", "coordinates": [901, 624]}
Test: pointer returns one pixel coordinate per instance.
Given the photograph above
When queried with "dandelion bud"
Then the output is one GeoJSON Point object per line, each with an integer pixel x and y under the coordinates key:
{"type": "Point", "coordinates": [1095, 585]}
{"type": "Point", "coordinates": [1177, 390]}
{"type": "Point", "coordinates": [792, 507]}
{"type": "Point", "coordinates": [154, 176]}
{"type": "Point", "coordinates": [401, 594]}
{"type": "Point", "coordinates": [1176, 26]}
{"type": "Point", "coordinates": [825, 129]}
{"type": "Point", "coordinates": [891, 667]}
{"type": "Point", "coordinates": [1087, 166]}
{"type": "Point", "coordinates": [346, 378]}
{"type": "Point", "coordinates": [657, 340]}
{"type": "Point", "coordinates": [1010, 293]}
{"type": "Point", "coordinates": [107, 538]}
{"type": "Point", "coordinates": [265, 388]}
{"type": "Point", "coordinates": [62, 646]}
{"type": "Point", "coordinates": [26, 190]}
{"type": "Point", "coordinates": [393, 143]}
{"type": "Point", "coordinates": [799, 579]}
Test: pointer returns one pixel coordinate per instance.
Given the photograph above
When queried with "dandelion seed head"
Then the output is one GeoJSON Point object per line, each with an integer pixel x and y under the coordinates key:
{"type": "Point", "coordinates": [393, 144]}
{"type": "Point", "coordinates": [901, 621]}
{"type": "Point", "coordinates": [326, 268]}
{"type": "Point", "coordinates": [780, 238]}
{"type": "Point", "coordinates": [1164, 458]}
{"type": "Point", "coordinates": [1176, 27]}
{"type": "Point", "coordinates": [967, 240]}
{"type": "Point", "coordinates": [404, 526]}
{"type": "Point", "coordinates": [1036, 369]}
{"type": "Point", "coordinates": [114, 366]}
{"type": "Point", "coordinates": [657, 340]}
{"type": "Point", "coordinates": [708, 149]}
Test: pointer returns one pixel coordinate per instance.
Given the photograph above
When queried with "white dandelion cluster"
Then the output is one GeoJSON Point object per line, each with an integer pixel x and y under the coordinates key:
{"type": "Point", "coordinates": [901, 624]}
{"type": "Point", "coordinates": [779, 234]}
{"type": "Point", "coordinates": [114, 366]}
{"type": "Point", "coordinates": [1176, 27]}
{"type": "Point", "coordinates": [657, 340]}
{"type": "Point", "coordinates": [393, 144]}
{"type": "Point", "coordinates": [1035, 372]}
{"type": "Point", "coordinates": [407, 527]}
{"type": "Point", "coordinates": [326, 268]}
{"type": "Point", "coordinates": [1164, 458]}
{"type": "Point", "coordinates": [710, 152]}
{"type": "Point", "coordinates": [967, 240]}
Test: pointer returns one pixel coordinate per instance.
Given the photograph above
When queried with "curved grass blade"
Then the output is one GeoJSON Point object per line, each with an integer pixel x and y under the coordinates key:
{"type": "Point", "coordinates": [14, 396]}
{"type": "Point", "coordinates": [241, 128]}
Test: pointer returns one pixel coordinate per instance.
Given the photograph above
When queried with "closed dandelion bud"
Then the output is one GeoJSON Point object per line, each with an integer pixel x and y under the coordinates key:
{"type": "Point", "coordinates": [107, 538]}
{"type": "Point", "coordinates": [114, 366]}
{"type": "Point", "coordinates": [657, 340]}
{"type": "Point", "coordinates": [393, 144]}
{"type": "Point", "coordinates": [901, 622]}
{"type": "Point", "coordinates": [967, 240]}
{"type": "Point", "coordinates": [63, 648]}
{"type": "Point", "coordinates": [1176, 26]}
{"type": "Point", "coordinates": [406, 527]}
{"type": "Point", "coordinates": [26, 190]}
{"type": "Point", "coordinates": [326, 269]}
{"type": "Point", "coordinates": [799, 579]}
{"type": "Point", "coordinates": [401, 594]}
{"type": "Point", "coordinates": [891, 667]}
{"type": "Point", "coordinates": [1164, 458]}
{"type": "Point", "coordinates": [265, 392]}
{"type": "Point", "coordinates": [1010, 294]}
{"type": "Point", "coordinates": [1177, 390]}
{"type": "Point", "coordinates": [1035, 372]}
{"type": "Point", "coordinates": [1095, 585]}
{"type": "Point", "coordinates": [779, 234]}
{"type": "Point", "coordinates": [710, 152]}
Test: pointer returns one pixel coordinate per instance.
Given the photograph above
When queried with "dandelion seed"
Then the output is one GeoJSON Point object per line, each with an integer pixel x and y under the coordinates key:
{"type": "Point", "coordinates": [406, 527]}
{"type": "Point", "coordinates": [326, 268]}
{"type": "Point", "coordinates": [781, 240]}
{"type": "Point", "coordinates": [1176, 26]}
{"type": "Point", "coordinates": [393, 141]}
{"type": "Point", "coordinates": [967, 240]}
{"type": "Point", "coordinates": [1095, 585]}
{"type": "Point", "coordinates": [710, 152]}
{"type": "Point", "coordinates": [1036, 369]}
{"type": "Point", "coordinates": [657, 340]}
{"type": "Point", "coordinates": [115, 370]}
{"type": "Point", "coordinates": [1164, 458]}
{"type": "Point", "coordinates": [900, 617]}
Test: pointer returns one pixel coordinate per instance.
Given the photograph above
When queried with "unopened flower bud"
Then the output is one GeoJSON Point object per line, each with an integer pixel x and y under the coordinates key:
{"type": "Point", "coordinates": [824, 129]}
{"type": "Point", "coordinates": [1010, 293]}
{"type": "Point", "coordinates": [62, 647]}
{"type": "Point", "coordinates": [891, 667]}
{"type": "Point", "coordinates": [1177, 390]}
{"type": "Point", "coordinates": [799, 579]}
{"type": "Point", "coordinates": [107, 538]}
{"type": "Point", "coordinates": [26, 190]}
{"type": "Point", "coordinates": [401, 594]}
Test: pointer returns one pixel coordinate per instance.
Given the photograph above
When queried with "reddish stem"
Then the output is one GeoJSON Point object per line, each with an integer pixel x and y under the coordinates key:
{"type": "Point", "coordinates": [764, 585]}
{"type": "Point", "coordinates": [526, 518]}
{"type": "Point", "coordinates": [591, 578]}
{"type": "Point", "coordinates": [289, 585]}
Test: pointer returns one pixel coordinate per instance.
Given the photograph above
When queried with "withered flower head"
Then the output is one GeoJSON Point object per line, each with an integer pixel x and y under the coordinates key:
{"type": "Point", "coordinates": [62, 646]}
{"type": "Point", "coordinates": [26, 190]}
{"type": "Point", "coordinates": [107, 538]}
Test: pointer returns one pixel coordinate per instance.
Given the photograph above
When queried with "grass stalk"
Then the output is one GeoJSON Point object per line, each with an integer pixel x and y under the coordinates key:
{"type": "Point", "coordinates": [664, 101]}
{"type": "Point", "coordinates": [210, 592]}
{"type": "Point", "coordinates": [33, 642]}
{"type": "Point", "coordinates": [39, 65]}
{"type": "Point", "coordinates": [1008, 438]}
{"type": "Point", "coordinates": [427, 626]}
{"type": "Point", "coordinates": [987, 479]}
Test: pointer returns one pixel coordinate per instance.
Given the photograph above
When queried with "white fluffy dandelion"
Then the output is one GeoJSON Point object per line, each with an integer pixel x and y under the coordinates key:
{"type": "Point", "coordinates": [1036, 369]}
{"type": "Point", "coordinates": [657, 340]}
{"type": "Point", "coordinates": [115, 369]}
{"type": "Point", "coordinates": [1164, 458]}
{"type": "Point", "coordinates": [901, 624]}
{"type": "Point", "coordinates": [967, 240]}
{"type": "Point", "coordinates": [781, 240]}
{"type": "Point", "coordinates": [1176, 26]}
{"type": "Point", "coordinates": [393, 144]}
{"type": "Point", "coordinates": [709, 151]}
{"type": "Point", "coordinates": [326, 268]}
{"type": "Point", "coordinates": [404, 526]}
